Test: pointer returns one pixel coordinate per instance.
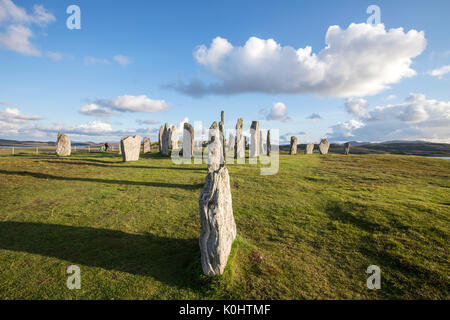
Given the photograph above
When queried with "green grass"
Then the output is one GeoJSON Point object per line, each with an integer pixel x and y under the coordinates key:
{"type": "Point", "coordinates": [309, 232]}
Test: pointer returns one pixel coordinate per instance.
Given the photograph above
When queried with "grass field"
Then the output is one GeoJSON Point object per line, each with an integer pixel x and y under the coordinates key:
{"type": "Point", "coordinates": [309, 232]}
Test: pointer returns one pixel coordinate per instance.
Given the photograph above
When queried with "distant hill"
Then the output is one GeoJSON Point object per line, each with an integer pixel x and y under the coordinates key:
{"type": "Point", "coordinates": [420, 148]}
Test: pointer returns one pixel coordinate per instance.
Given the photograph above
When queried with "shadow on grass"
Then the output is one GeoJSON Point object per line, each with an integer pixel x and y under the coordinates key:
{"type": "Point", "coordinates": [175, 262]}
{"type": "Point", "coordinates": [105, 164]}
{"type": "Point", "coordinates": [122, 182]}
{"type": "Point", "coordinates": [345, 213]}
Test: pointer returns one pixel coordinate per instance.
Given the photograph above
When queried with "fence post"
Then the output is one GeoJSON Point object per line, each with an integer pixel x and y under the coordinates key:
{"type": "Point", "coordinates": [37, 150]}
{"type": "Point", "coordinates": [89, 148]}
{"type": "Point", "coordinates": [13, 150]}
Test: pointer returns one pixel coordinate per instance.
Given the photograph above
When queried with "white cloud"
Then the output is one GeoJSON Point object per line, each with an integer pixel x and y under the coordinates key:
{"type": "Point", "coordinates": [439, 72]}
{"type": "Point", "coordinates": [358, 61]}
{"type": "Point", "coordinates": [344, 130]}
{"type": "Point", "coordinates": [55, 56]}
{"type": "Point", "coordinates": [94, 110]}
{"type": "Point", "coordinates": [315, 117]}
{"type": "Point", "coordinates": [287, 136]}
{"type": "Point", "coordinates": [417, 118]}
{"type": "Point", "coordinates": [122, 60]}
{"type": "Point", "coordinates": [89, 61]}
{"type": "Point", "coordinates": [11, 120]}
{"type": "Point", "coordinates": [129, 103]}
{"type": "Point", "coordinates": [278, 112]}
{"type": "Point", "coordinates": [148, 122]}
{"type": "Point", "coordinates": [357, 107]}
{"type": "Point", "coordinates": [15, 26]}
{"type": "Point", "coordinates": [17, 38]}
{"type": "Point", "coordinates": [391, 97]}
{"type": "Point", "coordinates": [14, 115]}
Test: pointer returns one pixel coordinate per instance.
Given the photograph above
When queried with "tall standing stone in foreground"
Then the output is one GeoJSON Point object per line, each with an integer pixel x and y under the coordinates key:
{"type": "Point", "coordinates": [309, 148]}
{"type": "Point", "coordinates": [254, 144]}
{"type": "Point", "coordinates": [214, 148]}
{"type": "Point", "coordinates": [240, 139]}
{"type": "Point", "coordinates": [131, 148]}
{"type": "Point", "coordinates": [188, 141]}
{"type": "Point", "coordinates": [173, 137]}
{"type": "Point", "coordinates": [268, 144]}
{"type": "Point", "coordinates": [324, 146]}
{"type": "Point", "coordinates": [217, 220]}
{"type": "Point", "coordinates": [165, 140]}
{"type": "Point", "coordinates": [161, 131]}
{"type": "Point", "coordinates": [347, 148]}
{"type": "Point", "coordinates": [293, 148]}
{"type": "Point", "coordinates": [63, 146]}
{"type": "Point", "coordinates": [147, 145]}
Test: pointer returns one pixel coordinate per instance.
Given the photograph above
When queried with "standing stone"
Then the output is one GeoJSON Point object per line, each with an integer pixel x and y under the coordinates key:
{"type": "Point", "coordinates": [347, 148]}
{"type": "Point", "coordinates": [131, 148]}
{"type": "Point", "coordinates": [188, 141]}
{"type": "Point", "coordinates": [222, 136]}
{"type": "Point", "coordinates": [240, 140]}
{"type": "Point", "coordinates": [293, 149]}
{"type": "Point", "coordinates": [214, 148]}
{"type": "Point", "coordinates": [309, 148]}
{"type": "Point", "coordinates": [231, 143]}
{"type": "Point", "coordinates": [120, 146]}
{"type": "Point", "coordinates": [63, 146]}
{"type": "Point", "coordinates": [173, 138]}
{"type": "Point", "coordinates": [217, 220]}
{"type": "Point", "coordinates": [165, 140]}
{"type": "Point", "coordinates": [268, 144]}
{"type": "Point", "coordinates": [254, 144]}
{"type": "Point", "coordinates": [261, 143]}
{"type": "Point", "coordinates": [147, 145]}
{"type": "Point", "coordinates": [324, 146]}
{"type": "Point", "coordinates": [161, 131]}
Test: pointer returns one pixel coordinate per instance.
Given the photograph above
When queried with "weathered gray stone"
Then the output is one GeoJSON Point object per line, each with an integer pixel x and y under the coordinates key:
{"type": "Point", "coordinates": [63, 145]}
{"type": "Point", "coordinates": [254, 144]}
{"type": "Point", "coordinates": [217, 221]}
{"type": "Point", "coordinates": [324, 146]}
{"type": "Point", "coordinates": [161, 131]}
{"type": "Point", "coordinates": [173, 137]}
{"type": "Point", "coordinates": [240, 139]}
{"type": "Point", "coordinates": [268, 144]}
{"type": "Point", "coordinates": [309, 148]}
{"type": "Point", "coordinates": [214, 148]}
{"type": "Point", "coordinates": [131, 148]}
{"type": "Point", "coordinates": [188, 141]}
{"type": "Point", "coordinates": [120, 145]}
{"type": "Point", "coordinates": [261, 143]}
{"type": "Point", "coordinates": [223, 151]}
{"type": "Point", "coordinates": [165, 140]}
{"type": "Point", "coordinates": [147, 145]}
{"type": "Point", "coordinates": [231, 143]}
{"type": "Point", "coordinates": [293, 148]}
{"type": "Point", "coordinates": [347, 148]}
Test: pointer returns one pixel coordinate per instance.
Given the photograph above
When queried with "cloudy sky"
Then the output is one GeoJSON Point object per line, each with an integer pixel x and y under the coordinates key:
{"type": "Point", "coordinates": [309, 69]}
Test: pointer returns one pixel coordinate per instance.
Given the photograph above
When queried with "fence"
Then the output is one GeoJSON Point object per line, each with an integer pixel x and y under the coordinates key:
{"type": "Point", "coordinates": [23, 149]}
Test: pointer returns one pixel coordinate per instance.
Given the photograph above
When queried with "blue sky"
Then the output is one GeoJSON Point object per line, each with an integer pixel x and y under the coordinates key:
{"type": "Point", "coordinates": [133, 61]}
